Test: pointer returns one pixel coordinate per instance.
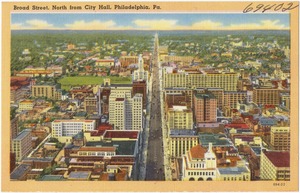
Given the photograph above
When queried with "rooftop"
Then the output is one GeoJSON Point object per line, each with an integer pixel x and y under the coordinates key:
{"type": "Point", "coordinates": [52, 178]}
{"type": "Point", "coordinates": [120, 85]}
{"type": "Point", "coordinates": [121, 134]}
{"type": "Point", "coordinates": [81, 114]}
{"type": "Point", "coordinates": [233, 170]}
{"type": "Point", "coordinates": [237, 125]}
{"type": "Point", "coordinates": [182, 132]}
{"type": "Point", "coordinates": [23, 134]}
{"type": "Point", "coordinates": [204, 95]}
{"type": "Point", "coordinates": [215, 139]}
{"type": "Point", "coordinates": [82, 175]}
{"type": "Point", "coordinates": [278, 158]}
{"type": "Point", "coordinates": [256, 150]}
{"type": "Point", "coordinates": [20, 171]}
{"type": "Point", "coordinates": [122, 147]}
{"type": "Point", "coordinates": [197, 152]}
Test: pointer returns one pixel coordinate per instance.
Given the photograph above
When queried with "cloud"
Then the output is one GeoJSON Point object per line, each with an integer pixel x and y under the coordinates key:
{"type": "Point", "coordinates": [39, 24]}
{"type": "Point", "coordinates": [161, 24]}
{"type": "Point", "coordinates": [32, 24]}
{"type": "Point", "coordinates": [15, 26]}
{"type": "Point", "coordinates": [262, 25]}
{"type": "Point", "coordinates": [206, 25]}
{"type": "Point", "coordinates": [151, 24]}
{"type": "Point", "coordinates": [92, 25]}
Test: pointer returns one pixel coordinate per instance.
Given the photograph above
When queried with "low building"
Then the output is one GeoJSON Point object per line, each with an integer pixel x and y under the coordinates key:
{"type": "Point", "coordinates": [63, 130]}
{"type": "Point", "coordinates": [105, 62]}
{"type": "Point", "coordinates": [26, 105]}
{"type": "Point", "coordinates": [240, 173]}
{"type": "Point", "coordinates": [199, 164]}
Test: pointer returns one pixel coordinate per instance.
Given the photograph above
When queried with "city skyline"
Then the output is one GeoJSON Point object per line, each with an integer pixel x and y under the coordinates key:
{"type": "Point", "coordinates": [165, 21]}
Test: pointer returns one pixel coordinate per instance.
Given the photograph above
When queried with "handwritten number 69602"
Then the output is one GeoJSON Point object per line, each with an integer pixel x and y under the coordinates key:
{"type": "Point", "coordinates": [274, 7]}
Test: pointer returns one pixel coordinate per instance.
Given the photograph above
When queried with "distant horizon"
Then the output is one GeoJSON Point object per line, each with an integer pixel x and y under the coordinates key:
{"type": "Point", "coordinates": [150, 22]}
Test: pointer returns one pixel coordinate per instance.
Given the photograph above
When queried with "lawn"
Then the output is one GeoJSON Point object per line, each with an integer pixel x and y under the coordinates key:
{"type": "Point", "coordinates": [67, 82]}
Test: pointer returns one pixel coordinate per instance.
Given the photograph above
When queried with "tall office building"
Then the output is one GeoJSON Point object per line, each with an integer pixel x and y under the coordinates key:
{"type": "Point", "coordinates": [140, 73]}
{"type": "Point", "coordinates": [205, 107]}
{"type": "Point", "coordinates": [179, 117]}
{"type": "Point", "coordinates": [91, 104]}
{"type": "Point", "coordinates": [269, 96]}
{"type": "Point", "coordinates": [21, 145]}
{"type": "Point", "coordinates": [203, 79]}
{"type": "Point", "coordinates": [231, 98]}
{"type": "Point", "coordinates": [280, 138]}
{"type": "Point", "coordinates": [140, 87]}
{"type": "Point", "coordinates": [126, 112]}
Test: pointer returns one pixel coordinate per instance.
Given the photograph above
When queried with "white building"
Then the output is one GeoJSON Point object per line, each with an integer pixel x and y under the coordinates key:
{"type": "Point", "coordinates": [199, 164]}
{"type": "Point", "coordinates": [63, 130]}
{"type": "Point", "coordinates": [115, 104]}
{"type": "Point", "coordinates": [140, 73]}
{"type": "Point", "coordinates": [126, 112]}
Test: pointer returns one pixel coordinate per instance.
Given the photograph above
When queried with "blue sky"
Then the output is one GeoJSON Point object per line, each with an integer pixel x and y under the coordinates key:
{"type": "Point", "coordinates": [182, 21]}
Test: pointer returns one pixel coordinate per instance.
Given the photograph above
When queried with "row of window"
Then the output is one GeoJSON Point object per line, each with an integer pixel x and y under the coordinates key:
{"type": "Point", "coordinates": [201, 173]}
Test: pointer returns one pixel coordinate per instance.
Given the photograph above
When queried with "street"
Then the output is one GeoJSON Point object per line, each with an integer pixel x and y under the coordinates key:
{"type": "Point", "coordinates": [155, 153]}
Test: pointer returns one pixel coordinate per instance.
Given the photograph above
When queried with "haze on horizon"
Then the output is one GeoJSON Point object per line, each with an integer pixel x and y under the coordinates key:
{"type": "Point", "coordinates": [149, 22]}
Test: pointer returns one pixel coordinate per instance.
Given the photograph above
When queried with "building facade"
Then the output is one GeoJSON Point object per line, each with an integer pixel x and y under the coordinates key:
{"type": "Point", "coordinates": [126, 112]}
{"type": "Point", "coordinates": [280, 138]}
{"type": "Point", "coordinates": [180, 117]}
{"type": "Point", "coordinates": [181, 141]}
{"type": "Point", "coordinates": [233, 97]}
{"type": "Point", "coordinates": [21, 145]}
{"type": "Point", "coordinates": [43, 90]}
{"type": "Point", "coordinates": [205, 108]}
{"type": "Point", "coordinates": [140, 73]}
{"type": "Point", "coordinates": [199, 164]}
{"type": "Point", "coordinates": [26, 105]}
{"type": "Point", "coordinates": [274, 165]}
{"type": "Point", "coordinates": [195, 79]}
{"type": "Point", "coordinates": [63, 130]}
{"type": "Point", "coordinates": [91, 104]}
{"type": "Point", "coordinates": [140, 87]}
{"type": "Point", "coordinates": [269, 96]}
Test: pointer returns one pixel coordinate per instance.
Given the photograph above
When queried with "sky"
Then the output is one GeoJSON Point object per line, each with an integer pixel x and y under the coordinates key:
{"type": "Point", "coordinates": [179, 21]}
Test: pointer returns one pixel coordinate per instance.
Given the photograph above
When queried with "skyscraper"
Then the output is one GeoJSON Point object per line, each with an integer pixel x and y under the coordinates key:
{"type": "Point", "coordinates": [205, 107]}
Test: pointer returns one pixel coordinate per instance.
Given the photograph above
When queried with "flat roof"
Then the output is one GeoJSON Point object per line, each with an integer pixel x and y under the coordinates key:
{"type": "Point", "coordinates": [23, 134]}
{"type": "Point", "coordinates": [256, 149]}
{"type": "Point", "coordinates": [122, 147]}
{"type": "Point", "coordinates": [215, 139]}
{"type": "Point", "coordinates": [205, 95]}
{"type": "Point", "coordinates": [120, 85]}
{"type": "Point", "coordinates": [279, 158]}
{"type": "Point", "coordinates": [182, 132]}
{"type": "Point", "coordinates": [52, 178]}
{"type": "Point", "coordinates": [233, 170]}
{"type": "Point", "coordinates": [80, 175]}
{"type": "Point", "coordinates": [121, 134]}
{"type": "Point", "coordinates": [19, 171]}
